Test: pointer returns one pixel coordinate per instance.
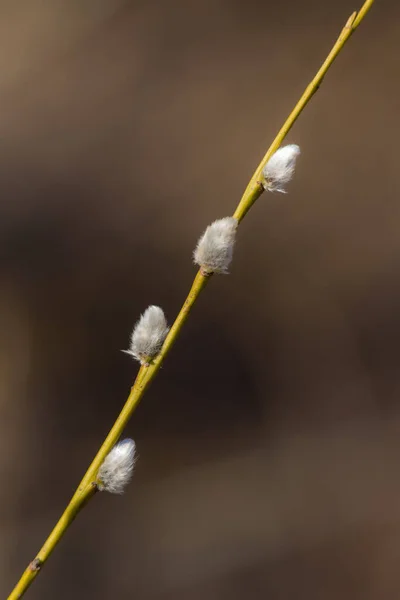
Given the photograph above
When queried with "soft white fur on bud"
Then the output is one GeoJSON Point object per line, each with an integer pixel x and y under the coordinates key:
{"type": "Point", "coordinates": [117, 468]}
{"type": "Point", "coordinates": [214, 250]}
{"type": "Point", "coordinates": [148, 334]}
{"type": "Point", "coordinates": [279, 169]}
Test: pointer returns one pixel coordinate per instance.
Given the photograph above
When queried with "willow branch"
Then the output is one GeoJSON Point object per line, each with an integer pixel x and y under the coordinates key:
{"type": "Point", "coordinates": [146, 374]}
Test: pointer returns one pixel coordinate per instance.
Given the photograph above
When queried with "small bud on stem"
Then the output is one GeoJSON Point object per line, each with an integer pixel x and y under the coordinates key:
{"type": "Point", "coordinates": [148, 335]}
{"type": "Point", "coordinates": [117, 468]}
{"type": "Point", "coordinates": [214, 250]}
{"type": "Point", "coordinates": [279, 170]}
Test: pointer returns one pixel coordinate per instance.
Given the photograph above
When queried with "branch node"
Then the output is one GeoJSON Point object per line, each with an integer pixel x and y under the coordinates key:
{"type": "Point", "coordinates": [35, 565]}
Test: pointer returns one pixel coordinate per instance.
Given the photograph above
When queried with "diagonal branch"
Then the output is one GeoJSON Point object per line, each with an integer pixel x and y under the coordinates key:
{"type": "Point", "coordinates": [146, 374]}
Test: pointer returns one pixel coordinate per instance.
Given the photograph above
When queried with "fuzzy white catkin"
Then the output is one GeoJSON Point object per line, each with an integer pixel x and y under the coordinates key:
{"type": "Point", "coordinates": [148, 334]}
{"type": "Point", "coordinates": [214, 250]}
{"type": "Point", "coordinates": [279, 170]}
{"type": "Point", "coordinates": [117, 468]}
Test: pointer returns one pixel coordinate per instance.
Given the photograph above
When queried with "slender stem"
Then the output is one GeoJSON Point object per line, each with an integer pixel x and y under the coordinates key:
{"type": "Point", "coordinates": [87, 486]}
{"type": "Point", "coordinates": [361, 13]}
{"type": "Point", "coordinates": [146, 374]}
{"type": "Point", "coordinates": [254, 188]}
{"type": "Point", "coordinates": [69, 514]}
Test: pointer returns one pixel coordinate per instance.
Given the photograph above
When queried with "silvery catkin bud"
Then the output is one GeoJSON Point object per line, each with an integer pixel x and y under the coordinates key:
{"type": "Point", "coordinates": [148, 335]}
{"type": "Point", "coordinates": [117, 468]}
{"type": "Point", "coordinates": [279, 169]}
{"type": "Point", "coordinates": [214, 250]}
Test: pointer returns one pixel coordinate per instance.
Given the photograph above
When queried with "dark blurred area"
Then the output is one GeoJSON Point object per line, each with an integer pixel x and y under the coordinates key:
{"type": "Point", "coordinates": [269, 443]}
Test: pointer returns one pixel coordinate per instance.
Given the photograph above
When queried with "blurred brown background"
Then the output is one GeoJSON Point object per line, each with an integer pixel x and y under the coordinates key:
{"type": "Point", "coordinates": [269, 445]}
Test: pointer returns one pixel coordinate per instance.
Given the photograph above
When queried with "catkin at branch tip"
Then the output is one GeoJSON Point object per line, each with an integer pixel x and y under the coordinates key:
{"type": "Point", "coordinates": [279, 170]}
{"type": "Point", "coordinates": [148, 334]}
{"type": "Point", "coordinates": [117, 468]}
{"type": "Point", "coordinates": [214, 250]}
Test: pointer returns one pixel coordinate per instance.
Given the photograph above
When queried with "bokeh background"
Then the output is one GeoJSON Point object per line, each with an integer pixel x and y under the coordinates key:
{"type": "Point", "coordinates": [270, 442]}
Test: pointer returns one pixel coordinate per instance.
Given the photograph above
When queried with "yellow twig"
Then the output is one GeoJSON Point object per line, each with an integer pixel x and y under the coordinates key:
{"type": "Point", "coordinates": [254, 188]}
{"type": "Point", "coordinates": [146, 374]}
{"type": "Point", "coordinates": [69, 514]}
{"type": "Point", "coordinates": [87, 486]}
